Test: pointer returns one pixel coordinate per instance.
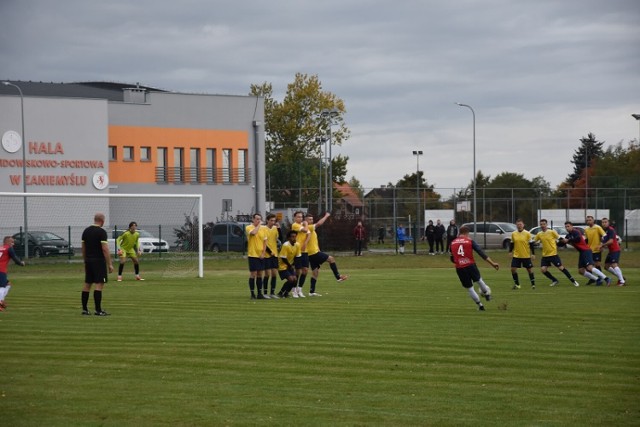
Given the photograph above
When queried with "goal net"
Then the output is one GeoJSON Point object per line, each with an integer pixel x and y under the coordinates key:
{"type": "Point", "coordinates": [170, 230]}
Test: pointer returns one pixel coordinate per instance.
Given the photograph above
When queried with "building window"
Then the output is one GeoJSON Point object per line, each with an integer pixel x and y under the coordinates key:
{"type": "Point", "coordinates": [242, 166]}
{"type": "Point", "coordinates": [127, 154]}
{"type": "Point", "coordinates": [211, 165]}
{"type": "Point", "coordinates": [162, 174]}
{"type": "Point", "coordinates": [226, 165]}
{"type": "Point", "coordinates": [194, 165]}
{"type": "Point", "coordinates": [112, 153]}
{"type": "Point", "coordinates": [178, 165]}
{"type": "Point", "coordinates": [145, 154]}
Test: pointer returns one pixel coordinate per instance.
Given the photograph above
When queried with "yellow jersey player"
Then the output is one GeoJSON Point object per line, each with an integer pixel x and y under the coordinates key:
{"type": "Point", "coordinates": [521, 250]}
{"type": "Point", "coordinates": [317, 257]}
{"type": "Point", "coordinates": [271, 261]}
{"type": "Point", "coordinates": [256, 252]}
{"type": "Point", "coordinates": [548, 237]}
{"type": "Point", "coordinates": [286, 263]}
{"type": "Point", "coordinates": [593, 233]}
{"type": "Point", "coordinates": [129, 247]}
{"type": "Point", "coordinates": [302, 262]}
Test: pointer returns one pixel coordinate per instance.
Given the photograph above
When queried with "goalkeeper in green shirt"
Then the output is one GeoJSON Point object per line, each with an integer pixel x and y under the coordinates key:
{"type": "Point", "coordinates": [128, 246]}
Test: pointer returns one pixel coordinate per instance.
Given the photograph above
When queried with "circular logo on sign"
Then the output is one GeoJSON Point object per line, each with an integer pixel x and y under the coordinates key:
{"type": "Point", "coordinates": [100, 180]}
{"type": "Point", "coordinates": [11, 141]}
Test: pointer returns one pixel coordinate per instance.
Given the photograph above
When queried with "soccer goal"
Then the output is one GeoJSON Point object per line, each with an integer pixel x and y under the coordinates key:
{"type": "Point", "coordinates": [169, 225]}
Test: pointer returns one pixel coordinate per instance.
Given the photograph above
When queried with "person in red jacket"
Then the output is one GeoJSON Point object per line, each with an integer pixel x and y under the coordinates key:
{"type": "Point", "coordinates": [462, 248]}
{"type": "Point", "coordinates": [359, 233]}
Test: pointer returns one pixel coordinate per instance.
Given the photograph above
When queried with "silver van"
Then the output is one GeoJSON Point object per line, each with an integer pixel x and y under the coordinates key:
{"type": "Point", "coordinates": [493, 234]}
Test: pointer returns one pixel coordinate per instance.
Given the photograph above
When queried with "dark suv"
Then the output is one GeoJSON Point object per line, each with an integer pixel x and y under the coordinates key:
{"type": "Point", "coordinates": [228, 236]}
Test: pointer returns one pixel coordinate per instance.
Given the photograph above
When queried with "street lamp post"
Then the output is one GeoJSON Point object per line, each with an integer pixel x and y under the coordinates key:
{"type": "Point", "coordinates": [395, 224]}
{"type": "Point", "coordinates": [475, 226]}
{"type": "Point", "coordinates": [417, 153]}
{"type": "Point", "coordinates": [321, 140]}
{"type": "Point", "coordinates": [330, 116]}
{"type": "Point", "coordinates": [24, 169]}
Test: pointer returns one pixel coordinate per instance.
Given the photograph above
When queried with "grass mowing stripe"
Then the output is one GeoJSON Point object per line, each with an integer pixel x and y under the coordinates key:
{"type": "Point", "coordinates": [389, 346]}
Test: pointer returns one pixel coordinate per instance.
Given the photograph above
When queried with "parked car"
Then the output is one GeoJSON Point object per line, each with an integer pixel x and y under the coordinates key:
{"type": "Point", "coordinates": [493, 234]}
{"type": "Point", "coordinates": [42, 243]}
{"type": "Point", "coordinates": [228, 236]}
{"type": "Point", "coordinates": [147, 241]}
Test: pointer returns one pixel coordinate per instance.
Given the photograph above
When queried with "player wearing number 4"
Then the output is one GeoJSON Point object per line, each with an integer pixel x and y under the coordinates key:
{"type": "Point", "coordinates": [129, 247]}
{"type": "Point", "coordinates": [462, 248]}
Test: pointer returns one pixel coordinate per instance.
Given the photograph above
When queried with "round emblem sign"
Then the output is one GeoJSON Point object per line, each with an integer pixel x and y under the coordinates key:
{"type": "Point", "coordinates": [11, 141]}
{"type": "Point", "coordinates": [100, 180]}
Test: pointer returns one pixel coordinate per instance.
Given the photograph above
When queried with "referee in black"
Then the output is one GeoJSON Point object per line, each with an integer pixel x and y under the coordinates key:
{"type": "Point", "coordinates": [96, 256]}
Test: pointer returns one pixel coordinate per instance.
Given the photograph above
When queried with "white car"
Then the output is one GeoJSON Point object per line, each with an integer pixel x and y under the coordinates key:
{"type": "Point", "coordinates": [147, 241]}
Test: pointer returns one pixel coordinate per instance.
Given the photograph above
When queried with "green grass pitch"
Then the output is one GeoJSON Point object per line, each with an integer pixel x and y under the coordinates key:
{"type": "Point", "coordinates": [399, 343]}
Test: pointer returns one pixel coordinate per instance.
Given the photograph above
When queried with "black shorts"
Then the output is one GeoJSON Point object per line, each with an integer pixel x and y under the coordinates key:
{"type": "Point", "coordinates": [95, 271]}
{"type": "Point", "coordinates": [597, 256]}
{"type": "Point", "coordinates": [271, 263]}
{"type": "Point", "coordinates": [301, 261]}
{"type": "Point", "coordinates": [317, 259]}
{"type": "Point", "coordinates": [548, 261]}
{"type": "Point", "coordinates": [521, 262]}
{"type": "Point", "coordinates": [468, 275]}
{"type": "Point", "coordinates": [256, 264]}
{"type": "Point", "coordinates": [285, 274]}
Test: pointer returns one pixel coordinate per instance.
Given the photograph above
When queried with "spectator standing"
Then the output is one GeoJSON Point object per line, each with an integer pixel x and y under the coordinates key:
{"type": "Point", "coordinates": [430, 235]}
{"type": "Point", "coordinates": [452, 233]}
{"type": "Point", "coordinates": [381, 235]}
{"type": "Point", "coordinates": [359, 234]}
{"type": "Point", "coordinates": [439, 237]}
{"type": "Point", "coordinates": [400, 236]}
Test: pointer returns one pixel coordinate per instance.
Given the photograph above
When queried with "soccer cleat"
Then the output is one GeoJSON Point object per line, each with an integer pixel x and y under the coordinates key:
{"type": "Point", "coordinates": [515, 287]}
{"type": "Point", "coordinates": [274, 296]}
{"type": "Point", "coordinates": [301, 294]}
{"type": "Point", "coordinates": [139, 278]}
{"type": "Point", "coordinates": [481, 307]}
{"type": "Point", "coordinates": [119, 278]}
{"type": "Point", "coordinates": [266, 296]}
{"type": "Point", "coordinates": [86, 313]}
{"type": "Point", "coordinates": [260, 296]}
{"type": "Point", "coordinates": [314, 294]}
{"type": "Point", "coordinates": [554, 283]}
{"type": "Point", "coordinates": [533, 287]}
{"type": "Point", "coordinates": [621, 283]}
{"type": "Point", "coordinates": [342, 278]}
{"type": "Point", "coordinates": [591, 282]}
{"type": "Point", "coordinates": [253, 296]}
{"type": "Point", "coordinates": [599, 282]}
{"type": "Point", "coordinates": [4, 304]}
{"type": "Point", "coordinates": [607, 281]}
{"type": "Point", "coordinates": [101, 313]}
{"type": "Point", "coordinates": [575, 283]}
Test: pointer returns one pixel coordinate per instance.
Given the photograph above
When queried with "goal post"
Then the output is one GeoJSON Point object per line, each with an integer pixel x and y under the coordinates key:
{"type": "Point", "coordinates": [173, 220]}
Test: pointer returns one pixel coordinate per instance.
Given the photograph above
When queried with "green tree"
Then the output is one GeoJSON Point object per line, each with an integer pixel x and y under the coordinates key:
{"type": "Point", "coordinates": [589, 150]}
{"type": "Point", "coordinates": [295, 134]}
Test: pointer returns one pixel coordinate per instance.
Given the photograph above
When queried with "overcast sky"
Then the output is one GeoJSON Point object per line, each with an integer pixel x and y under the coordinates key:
{"type": "Point", "coordinates": [539, 74]}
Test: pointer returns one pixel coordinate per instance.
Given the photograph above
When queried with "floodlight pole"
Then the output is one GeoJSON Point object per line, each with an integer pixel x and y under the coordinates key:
{"type": "Point", "coordinates": [417, 153]}
{"type": "Point", "coordinates": [24, 169]}
{"type": "Point", "coordinates": [475, 226]}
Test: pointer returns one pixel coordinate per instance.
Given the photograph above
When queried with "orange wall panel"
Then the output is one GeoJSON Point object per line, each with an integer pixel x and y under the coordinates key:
{"type": "Point", "coordinates": [144, 172]}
